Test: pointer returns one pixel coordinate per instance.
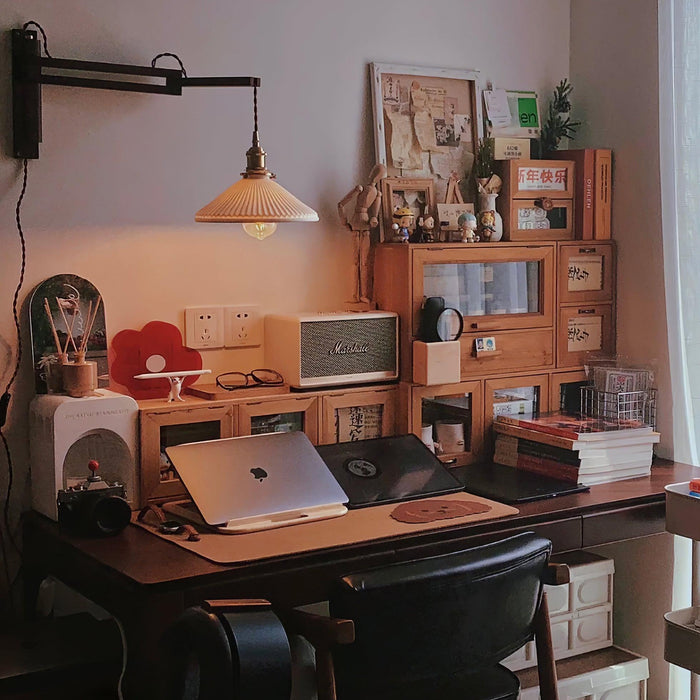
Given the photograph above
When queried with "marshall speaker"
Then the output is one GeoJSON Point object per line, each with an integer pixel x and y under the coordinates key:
{"type": "Point", "coordinates": [324, 349]}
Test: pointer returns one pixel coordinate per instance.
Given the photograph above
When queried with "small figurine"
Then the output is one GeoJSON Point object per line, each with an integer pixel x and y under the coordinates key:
{"type": "Point", "coordinates": [487, 224]}
{"type": "Point", "coordinates": [467, 225]}
{"type": "Point", "coordinates": [427, 225]}
{"type": "Point", "coordinates": [364, 218]}
{"type": "Point", "coordinates": [403, 219]}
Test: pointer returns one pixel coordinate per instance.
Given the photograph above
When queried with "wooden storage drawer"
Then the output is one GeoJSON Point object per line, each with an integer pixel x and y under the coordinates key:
{"type": "Point", "coordinates": [565, 390]}
{"type": "Point", "coordinates": [586, 273]}
{"type": "Point", "coordinates": [584, 329]}
{"type": "Point", "coordinates": [280, 415]}
{"type": "Point", "coordinates": [538, 220]}
{"type": "Point", "coordinates": [515, 351]}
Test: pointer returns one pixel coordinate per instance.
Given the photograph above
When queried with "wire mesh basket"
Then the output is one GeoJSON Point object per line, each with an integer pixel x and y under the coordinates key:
{"type": "Point", "coordinates": [623, 405]}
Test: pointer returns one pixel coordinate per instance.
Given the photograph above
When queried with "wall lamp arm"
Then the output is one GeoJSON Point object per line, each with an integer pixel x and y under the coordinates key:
{"type": "Point", "coordinates": [30, 71]}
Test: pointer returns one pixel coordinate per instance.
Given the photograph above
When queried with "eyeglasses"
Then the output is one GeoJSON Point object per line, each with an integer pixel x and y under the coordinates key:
{"type": "Point", "coordinates": [240, 380]}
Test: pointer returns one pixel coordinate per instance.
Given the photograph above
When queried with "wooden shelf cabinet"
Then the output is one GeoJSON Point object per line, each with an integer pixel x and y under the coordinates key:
{"type": "Point", "coordinates": [326, 416]}
{"type": "Point", "coordinates": [547, 304]}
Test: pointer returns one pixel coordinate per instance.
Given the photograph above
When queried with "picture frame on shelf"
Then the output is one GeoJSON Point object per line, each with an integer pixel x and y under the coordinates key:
{"type": "Point", "coordinates": [416, 194]}
{"type": "Point", "coordinates": [427, 122]}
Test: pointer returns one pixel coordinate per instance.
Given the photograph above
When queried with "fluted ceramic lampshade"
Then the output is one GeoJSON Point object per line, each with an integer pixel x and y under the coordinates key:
{"type": "Point", "coordinates": [256, 201]}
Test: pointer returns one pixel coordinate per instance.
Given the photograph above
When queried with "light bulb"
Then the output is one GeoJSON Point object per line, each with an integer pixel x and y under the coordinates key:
{"type": "Point", "coordinates": [260, 229]}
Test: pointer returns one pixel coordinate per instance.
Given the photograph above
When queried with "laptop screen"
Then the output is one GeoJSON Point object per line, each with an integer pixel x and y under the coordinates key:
{"type": "Point", "coordinates": [386, 470]}
{"type": "Point", "coordinates": [255, 476]}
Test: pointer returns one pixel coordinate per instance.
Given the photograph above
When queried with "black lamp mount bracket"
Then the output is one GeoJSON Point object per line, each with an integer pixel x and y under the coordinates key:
{"type": "Point", "coordinates": [31, 70]}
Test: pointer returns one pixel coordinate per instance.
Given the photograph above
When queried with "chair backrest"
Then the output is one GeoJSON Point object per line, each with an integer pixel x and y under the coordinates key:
{"type": "Point", "coordinates": [431, 618]}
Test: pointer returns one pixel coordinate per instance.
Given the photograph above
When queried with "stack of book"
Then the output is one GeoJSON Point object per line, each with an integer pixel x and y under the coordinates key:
{"type": "Point", "coordinates": [574, 448]}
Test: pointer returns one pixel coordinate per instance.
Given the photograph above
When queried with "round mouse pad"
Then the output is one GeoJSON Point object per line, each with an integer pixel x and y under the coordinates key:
{"type": "Point", "coordinates": [435, 509]}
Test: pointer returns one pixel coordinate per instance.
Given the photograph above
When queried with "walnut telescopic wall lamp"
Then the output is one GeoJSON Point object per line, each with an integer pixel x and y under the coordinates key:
{"type": "Point", "coordinates": [256, 201]}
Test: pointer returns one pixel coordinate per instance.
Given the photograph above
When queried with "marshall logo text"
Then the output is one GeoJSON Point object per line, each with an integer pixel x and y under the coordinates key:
{"type": "Point", "coordinates": [348, 349]}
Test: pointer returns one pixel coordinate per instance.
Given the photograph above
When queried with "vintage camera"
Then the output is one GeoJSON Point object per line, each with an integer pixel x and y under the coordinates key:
{"type": "Point", "coordinates": [94, 507]}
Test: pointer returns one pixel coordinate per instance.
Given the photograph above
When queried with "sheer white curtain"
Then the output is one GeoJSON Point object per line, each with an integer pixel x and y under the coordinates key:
{"type": "Point", "coordinates": [679, 144]}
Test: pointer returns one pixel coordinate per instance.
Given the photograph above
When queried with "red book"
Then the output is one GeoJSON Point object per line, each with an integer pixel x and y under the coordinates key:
{"type": "Point", "coordinates": [539, 465]}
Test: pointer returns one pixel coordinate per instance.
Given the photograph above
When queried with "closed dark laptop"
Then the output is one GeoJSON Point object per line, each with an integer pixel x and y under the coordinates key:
{"type": "Point", "coordinates": [387, 470]}
{"type": "Point", "coordinates": [511, 485]}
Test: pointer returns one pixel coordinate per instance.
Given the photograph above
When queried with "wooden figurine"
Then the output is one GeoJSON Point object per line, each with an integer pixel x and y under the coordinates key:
{"type": "Point", "coordinates": [363, 219]}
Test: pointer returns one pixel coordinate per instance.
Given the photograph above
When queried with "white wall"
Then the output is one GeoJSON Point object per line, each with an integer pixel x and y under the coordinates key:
{"type": "Point", "coordinates": [113, 195]}
{"type": "Point", "coordinates": [614, 68]}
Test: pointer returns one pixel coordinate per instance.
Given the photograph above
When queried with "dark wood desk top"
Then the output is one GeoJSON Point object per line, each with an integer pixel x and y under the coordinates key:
{"type": "Point", "coordinates": [141, 559]}
{"type": "Point", "coordinates": [147, 582]}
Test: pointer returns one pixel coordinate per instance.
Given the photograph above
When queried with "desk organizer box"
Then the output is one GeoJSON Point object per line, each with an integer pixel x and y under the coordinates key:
{"type": "Point", "coordinates": [580, 611]}
{"type": "Point", "coordinates": [606, 674]}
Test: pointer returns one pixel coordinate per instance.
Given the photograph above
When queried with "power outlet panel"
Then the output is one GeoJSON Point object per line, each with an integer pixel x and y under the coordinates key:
{"type": "Point", "coordinates": [243, 326]}
{"type": "Point", "coordinates": [204, 327]}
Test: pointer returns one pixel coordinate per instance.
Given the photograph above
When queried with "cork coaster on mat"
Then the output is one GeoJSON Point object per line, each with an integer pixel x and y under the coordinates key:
{"type": "Point", "coordinates": [432, 509]}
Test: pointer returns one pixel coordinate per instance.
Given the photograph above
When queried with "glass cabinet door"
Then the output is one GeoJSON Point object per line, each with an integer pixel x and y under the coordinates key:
{"type": "Point", "coordinates": [349, 416]}
{"type": "Point", "coordinates": [565, 390]}
{"type": "Point", "coordinates": [448, 419]}
{"type": "Point", "coordinates": [521, 396]}
{"type": "Point", "coordinates": [161, 428]}
{"type": "Point", "coordinates": [493, 289]}
{"type": "Point", "coordinates": [280, 415]}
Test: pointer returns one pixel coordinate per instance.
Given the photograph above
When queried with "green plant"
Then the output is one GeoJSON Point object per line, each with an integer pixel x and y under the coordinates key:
{"type": "Point", "coordinates": [483, 166]}
{"type": "Point", "coordinates": [558, 124]}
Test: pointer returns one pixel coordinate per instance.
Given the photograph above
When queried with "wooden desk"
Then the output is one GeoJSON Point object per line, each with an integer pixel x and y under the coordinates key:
{"type": "Point", "coordinates": [146, 582]}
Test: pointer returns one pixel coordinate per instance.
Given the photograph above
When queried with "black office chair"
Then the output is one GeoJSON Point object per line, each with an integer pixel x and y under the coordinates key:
{"type": "Point", "coordinates": [227, 650]}
{"type": "Point", "coordinates": [437, 627]}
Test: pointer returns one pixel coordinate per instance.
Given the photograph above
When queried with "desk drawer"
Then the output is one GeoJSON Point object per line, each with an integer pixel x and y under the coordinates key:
{"type": "Point", "coordinates": [515, 350]}
{"type": "Point", "coordinates": [624, 524]}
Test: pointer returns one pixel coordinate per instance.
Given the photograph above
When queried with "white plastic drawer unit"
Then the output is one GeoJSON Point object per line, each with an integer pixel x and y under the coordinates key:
{"type": "Point", "coordinates": [580, 611]}
{"type": "Point", "coordinates": [606, 674]}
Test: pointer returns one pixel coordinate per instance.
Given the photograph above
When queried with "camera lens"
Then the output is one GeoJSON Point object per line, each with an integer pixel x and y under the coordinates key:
{"type": "Point", "coordinates": [109, 515]}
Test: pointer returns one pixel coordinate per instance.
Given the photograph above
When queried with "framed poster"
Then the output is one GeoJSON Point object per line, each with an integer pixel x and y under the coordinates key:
{"type": "Point", "coordinates": [427, 122]}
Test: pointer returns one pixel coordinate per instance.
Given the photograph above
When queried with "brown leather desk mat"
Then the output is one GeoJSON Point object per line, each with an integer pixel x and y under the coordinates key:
{"type": "Point", "coordinates": [360, 525]}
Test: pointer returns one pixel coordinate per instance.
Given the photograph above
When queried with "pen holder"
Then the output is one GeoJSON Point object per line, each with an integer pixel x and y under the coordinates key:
{"type": "Point", "coordinates": [79, 379]}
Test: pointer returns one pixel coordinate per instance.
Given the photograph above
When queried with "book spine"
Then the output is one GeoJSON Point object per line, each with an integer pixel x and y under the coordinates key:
{"type": "Point", "coordinates": [510, 445]}
{"type": "Point", "coordinates": [539, 465]}
{"type": "Point", "coordinates": [539, 427]}
{"type": "Point", "coordinates": [602, 196]}
{"type": "Point", "coordinates": [503, 428]}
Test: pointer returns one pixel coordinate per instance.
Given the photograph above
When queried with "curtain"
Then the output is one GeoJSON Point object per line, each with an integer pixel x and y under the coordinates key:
{"type": "Point", "coordinates": [679, 150]}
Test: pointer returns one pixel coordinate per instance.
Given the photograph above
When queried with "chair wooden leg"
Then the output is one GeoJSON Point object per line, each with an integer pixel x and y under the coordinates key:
{"type": "Point", "coordinates": [546, 668]}
{"type": "Point", "coordinates": [325, 678]}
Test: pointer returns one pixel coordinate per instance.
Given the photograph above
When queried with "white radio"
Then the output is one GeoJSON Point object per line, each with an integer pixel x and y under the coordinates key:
{"type": "Point", "coordinates": [324, 349]}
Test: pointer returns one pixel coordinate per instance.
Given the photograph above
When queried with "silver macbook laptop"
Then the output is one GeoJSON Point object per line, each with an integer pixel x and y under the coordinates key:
{"type": "Point", "coordinates": [257, 482]}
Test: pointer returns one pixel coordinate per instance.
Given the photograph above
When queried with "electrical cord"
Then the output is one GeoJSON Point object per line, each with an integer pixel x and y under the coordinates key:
{"type": "Point", "coordinates": [26, 26]}
{"type": "Point", "coordinates": [6, 396]}
{"type": "Point", "coordinates": [171, 55]}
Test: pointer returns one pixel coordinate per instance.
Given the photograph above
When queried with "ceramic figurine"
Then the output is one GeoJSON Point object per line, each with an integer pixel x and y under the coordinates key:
{"type": "Point", "coordinates": [487, 226]}
{"type": "Point", "coordinates": [467, 225]}
{"type": "Point", "coordinates": [403, 218]}
{"type": "Point", "coordinates": [427, 225]}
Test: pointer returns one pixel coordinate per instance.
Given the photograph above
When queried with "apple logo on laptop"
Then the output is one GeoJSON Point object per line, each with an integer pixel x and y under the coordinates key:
{"type": "Point", "coordinates": [258, 473]}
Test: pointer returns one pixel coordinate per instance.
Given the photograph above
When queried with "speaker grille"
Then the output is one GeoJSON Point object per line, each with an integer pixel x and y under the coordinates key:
{"type": "Point", "coordinates": [355, 346]}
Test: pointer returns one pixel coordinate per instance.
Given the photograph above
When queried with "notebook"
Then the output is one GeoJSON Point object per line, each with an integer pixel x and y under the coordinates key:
{"type": "Point", "coordinates": [257, 482]}
{"type": "Point", "coordinates": [387, 470]}
{"type": "Point", "coordinates": [511, 485]}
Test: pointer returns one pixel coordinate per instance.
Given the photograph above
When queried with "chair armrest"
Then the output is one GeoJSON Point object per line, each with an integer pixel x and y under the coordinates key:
{"type": "Point", "coordinates": [557, 574]}
{"type": "Point", "coordinates": [321, 631]}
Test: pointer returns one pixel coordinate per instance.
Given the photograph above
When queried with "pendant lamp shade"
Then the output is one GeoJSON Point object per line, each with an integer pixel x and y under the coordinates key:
{"type": "Point", "coordinates": [256, 201]}
{"type": "Point", "coordinates": [255, 198]}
